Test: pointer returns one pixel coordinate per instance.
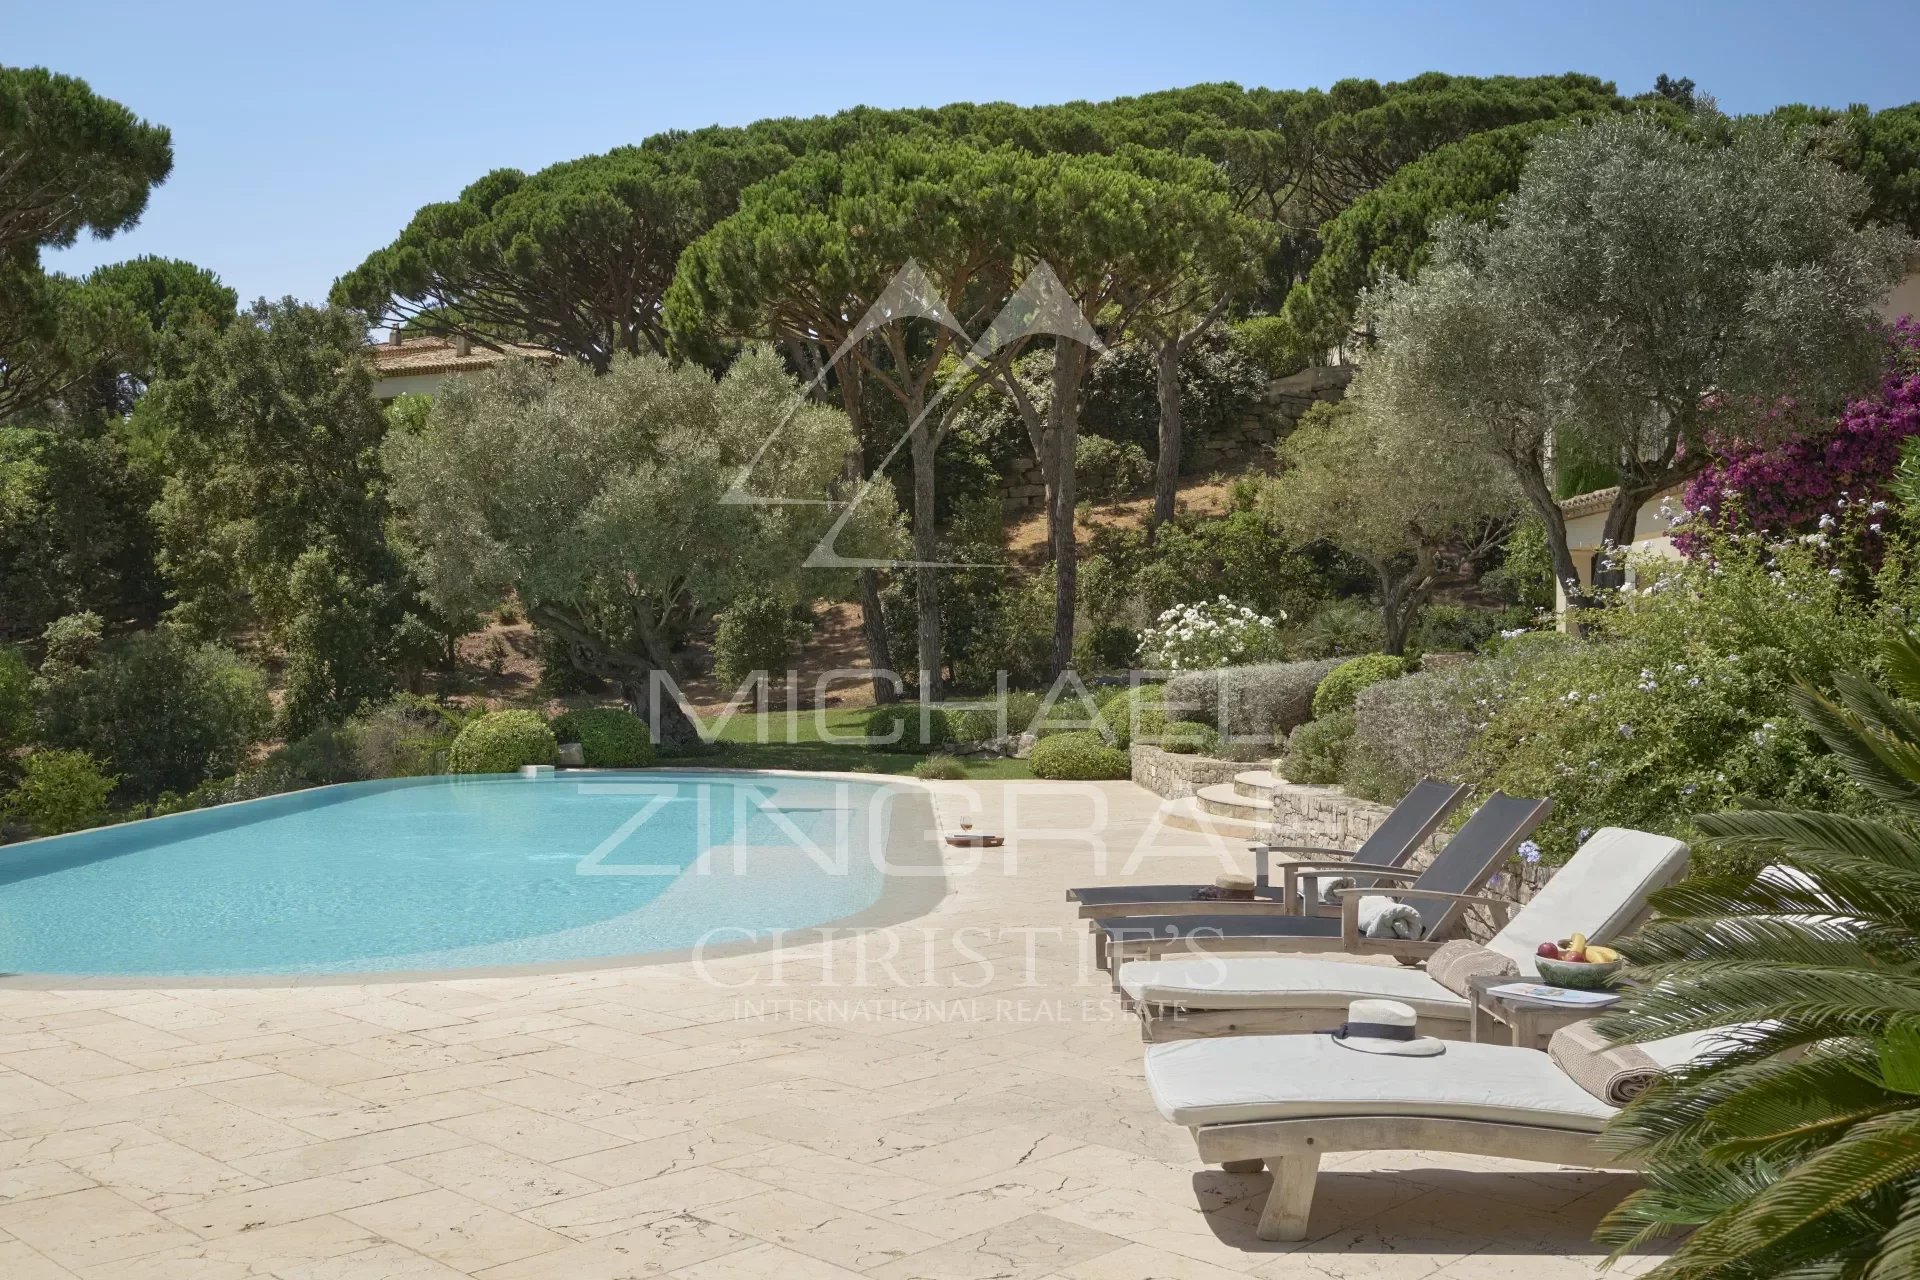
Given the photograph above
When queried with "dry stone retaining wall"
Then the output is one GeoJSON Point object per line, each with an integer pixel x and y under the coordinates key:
{"type": "Point", "coordinates": [1170, 775]}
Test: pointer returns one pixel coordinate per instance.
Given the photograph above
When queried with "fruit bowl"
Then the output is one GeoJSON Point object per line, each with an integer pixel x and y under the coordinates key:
{"type": "Point", "coordinates": [1579, 975]}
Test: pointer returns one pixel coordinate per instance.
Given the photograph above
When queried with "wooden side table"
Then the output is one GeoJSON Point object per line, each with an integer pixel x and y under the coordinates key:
{"type": "Point", "coordinates": [1497, 1021]}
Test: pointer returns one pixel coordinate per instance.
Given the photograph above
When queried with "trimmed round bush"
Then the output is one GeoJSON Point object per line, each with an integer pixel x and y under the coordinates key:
{"type": "Point", "coordinates": [1078, 757]}
{"type": "Point", "coordinates": [1317, 750]}
{"type": "Point", "coordinates": [1134, 713]}
{"type": "Point", "coordinates": [609, 738]}
{"type": "Point", "coordinates": [981, 725]}
{"type": "Point", "coordinates": [897, 727]}
{"type": "Point", "coordinates": [1344, 683]}
{"type": "Point", "coordinates": [756, 633]}
{"type": "Point", "coordinates": [502, 741]}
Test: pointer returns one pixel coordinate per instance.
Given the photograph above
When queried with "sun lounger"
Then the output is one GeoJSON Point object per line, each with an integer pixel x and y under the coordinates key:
{"type": "Point", "coordinates": [1601, 892]}
{"type": "Point", "coordinates": [1441, 894]}
{"type": "Point", "coordinates": [1285, 1101]}
{"type": "Point", "coordinates": [1417, 816]}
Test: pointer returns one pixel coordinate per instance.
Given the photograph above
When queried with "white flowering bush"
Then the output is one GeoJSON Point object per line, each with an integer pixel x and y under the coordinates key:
{"type": "Point", "coordinates": [1214, 633]}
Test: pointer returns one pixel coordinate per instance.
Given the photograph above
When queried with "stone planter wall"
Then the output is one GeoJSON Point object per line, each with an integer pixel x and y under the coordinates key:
{"type": "Point", "coordinates": [1231, 449]}
{"type": "Point", "coordinates": [1172, 776]}
{"type": "Point", "coordinates": [1330, 818]}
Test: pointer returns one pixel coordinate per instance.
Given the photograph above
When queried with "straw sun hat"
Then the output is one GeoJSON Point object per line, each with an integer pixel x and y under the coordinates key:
{"type": "Point", "coordinates": [1385, 1026]}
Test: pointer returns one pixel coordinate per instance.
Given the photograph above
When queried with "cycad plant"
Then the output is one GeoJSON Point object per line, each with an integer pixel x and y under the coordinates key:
{"type": "Point", "coordinates": [1793, 1145]}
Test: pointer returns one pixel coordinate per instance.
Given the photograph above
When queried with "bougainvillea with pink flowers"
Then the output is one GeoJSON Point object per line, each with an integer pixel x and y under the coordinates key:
{"type": "Point", "coordinates": [1785, 487]}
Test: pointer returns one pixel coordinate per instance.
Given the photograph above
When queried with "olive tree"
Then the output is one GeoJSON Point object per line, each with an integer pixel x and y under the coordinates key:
{"type": "Point", "coordinates": [1644, 294]}
{"type": "Point", "coordinates": [599, 503]}
{"type": "Point", "coordinates": [1381, 490]}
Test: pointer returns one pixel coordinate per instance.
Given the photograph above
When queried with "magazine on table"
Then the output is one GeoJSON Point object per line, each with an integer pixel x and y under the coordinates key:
{"type": "Point", "coordinates": [1534, 993]}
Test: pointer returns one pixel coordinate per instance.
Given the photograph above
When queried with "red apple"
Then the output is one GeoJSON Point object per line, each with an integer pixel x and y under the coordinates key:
{"type": "Point", "coordinates": [1547, 951]}
{"type": "Point", "coordinates": [1576, 957]}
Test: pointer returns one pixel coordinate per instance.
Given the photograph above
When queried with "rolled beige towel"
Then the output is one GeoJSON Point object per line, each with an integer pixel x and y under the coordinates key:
{"type": "Point", "coordinates": [1615, 1074]}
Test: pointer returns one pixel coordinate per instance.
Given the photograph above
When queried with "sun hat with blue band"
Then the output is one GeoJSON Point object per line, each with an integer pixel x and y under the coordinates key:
{"type": "Point", "coordinates": [1385, 1026]}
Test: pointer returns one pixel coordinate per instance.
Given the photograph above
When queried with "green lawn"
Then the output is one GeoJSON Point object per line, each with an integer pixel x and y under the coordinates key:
{"type": "Point", "coordinates": [773, 741]}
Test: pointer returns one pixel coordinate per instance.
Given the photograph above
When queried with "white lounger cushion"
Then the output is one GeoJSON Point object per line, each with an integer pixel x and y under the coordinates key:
{"type": "Point", "coordinates": [1601, 891]}
{"type": "Point", "coordinates": [1284, 982]}
{"type": "Point", "coordinates": [1249, 1078]}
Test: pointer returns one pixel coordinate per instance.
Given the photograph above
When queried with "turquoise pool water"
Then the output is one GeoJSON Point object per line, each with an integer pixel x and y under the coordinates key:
{"type": "Point", "coordinates": [447, 873]}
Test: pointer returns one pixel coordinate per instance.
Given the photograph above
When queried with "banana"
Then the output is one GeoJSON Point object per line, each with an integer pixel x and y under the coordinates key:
{"type": "Point", "coordinates": [1578, 942]}
{"type": "Point", "coordinates": [1602, 955]}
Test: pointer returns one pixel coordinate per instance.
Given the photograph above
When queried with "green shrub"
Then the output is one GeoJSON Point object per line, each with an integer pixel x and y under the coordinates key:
{"type": "Point", "coordinates": [1185, 738]}
{"type": "Point", "coordinates": [1680, 703]}
{"type": "Point", "coordinates": [59, 791]}
{"type": "Point", "coordinates": [609, 738]}
{"type": "Point", "coordinates": [1016, 636]}
{"type": "Point", "coordinates": [1134, 714]}
{"type": "Point", "coordinates": [1453, 628]}
{"type": "Point", "coordinates": [1317, 750]}
{"type": "Point", "coordinates": [939, 767]}
{"type": "Point", "coordinates": [161, 711]}
{"type": "Point", "coordinates": [1337, 691]}
{"type": "Point", "coordinates": [756, 633]}
{"type": "Point", "coordinates": [1108, 470]}
{"type": "Point", "coordinates": [897, 727]}
{"type": "Point", "coordinates": [1340, 629]}
{"type": "Point", "coordinates": [1106, 648]}
{"type": "Point", "coordinates": [16, 699]}
{"type": "Point", "coordinates": [1426, 724]}
{"type": "Point", "coordinates": [1254, 708]}
{"type": "Point", "coordinates": [982, 724]}
{"type": "Point", "coordinates": [1273, 343]}
{"type": "Point", "coordinates": [69, 643]}
{"type": "Point", "coordinates": [405, 737]}
{"type": "Point", "coordinates": [1078, 757]}
{"type": "Point", "coordinates": [501, 742]}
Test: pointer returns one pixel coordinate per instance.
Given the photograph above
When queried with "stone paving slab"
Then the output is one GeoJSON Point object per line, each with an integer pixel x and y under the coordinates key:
{"type": "Point", "coordinates": [954, 1098]}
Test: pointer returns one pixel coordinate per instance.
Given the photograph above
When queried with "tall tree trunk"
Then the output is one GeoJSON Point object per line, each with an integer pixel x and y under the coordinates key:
{"type": "Point", "coordinates": [873, 624]}
{"type": "Point", "coordinates": [1533, 483]}
{"type": "Point", "coordinates": [873, 619]}
{"type": "Point", "coordinates": [926, 549]}
{"type": "Point", "coordinates": [1063, 426]}
{"type": "Point", "coordinates": [1166, 469]}
{"type": "Point", "coordinates": [1621, 524]}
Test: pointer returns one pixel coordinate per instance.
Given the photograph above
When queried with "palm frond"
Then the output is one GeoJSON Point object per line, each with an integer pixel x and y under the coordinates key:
{"type": "Point", "coordinates": [1898, 1257]}
{"type": "Point", "coordinates": [1870, 1156]}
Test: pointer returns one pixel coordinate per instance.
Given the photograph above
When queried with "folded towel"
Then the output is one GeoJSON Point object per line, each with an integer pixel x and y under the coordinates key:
{"type": "Point", "coordinates": [1330, 887]}
{"type": "Point", "coordinates": [1456, 963]}
{"type": "Point", "coordinates": [1615, 1074]}
{"type": "Point", "coordinates": [1382, 917]}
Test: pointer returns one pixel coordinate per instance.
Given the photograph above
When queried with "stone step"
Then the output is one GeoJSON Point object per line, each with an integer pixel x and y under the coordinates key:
{"type": "Point", "coordinates": [1256, 785]}
{"type": "Point", "coordinates": [1185, 814]}
{"type": "Point", "coordinates": [1225, 800]}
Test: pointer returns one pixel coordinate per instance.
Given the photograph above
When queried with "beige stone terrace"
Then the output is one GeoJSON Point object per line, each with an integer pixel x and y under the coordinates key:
{"type": "Point", "coordinates": [943, 1113]}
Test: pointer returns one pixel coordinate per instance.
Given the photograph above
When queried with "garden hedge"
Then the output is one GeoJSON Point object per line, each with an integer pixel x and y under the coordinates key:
{"type": "Point", "coordinates": [501, 742]}
{"type": "Point", "coordinates": [1253, 707]}
{"type": "Point", "coordinates": [609, 738]}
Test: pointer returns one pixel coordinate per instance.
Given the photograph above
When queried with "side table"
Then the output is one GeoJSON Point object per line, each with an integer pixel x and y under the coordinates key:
{"type": "Point", "coordinates": [1530, 1026]}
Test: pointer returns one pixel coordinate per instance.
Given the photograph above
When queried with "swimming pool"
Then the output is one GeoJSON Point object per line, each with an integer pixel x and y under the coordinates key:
{"type": "Point", "coordinates": [424, 874]}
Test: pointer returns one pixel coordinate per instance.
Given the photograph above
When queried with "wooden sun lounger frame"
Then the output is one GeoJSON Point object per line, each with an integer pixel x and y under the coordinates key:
{"type": "Point", "coordinates": [1115, 952]}
{"type": "Point", "coordinates": [1292, 1150]}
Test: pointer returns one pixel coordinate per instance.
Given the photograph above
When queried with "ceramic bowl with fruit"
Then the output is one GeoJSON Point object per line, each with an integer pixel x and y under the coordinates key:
{"type": "Point", "coordinates": [1577, 964]}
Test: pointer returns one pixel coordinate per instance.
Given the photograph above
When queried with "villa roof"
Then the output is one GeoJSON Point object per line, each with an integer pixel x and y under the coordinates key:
{"type": "Point", "coordinates": [1599, 500]}
{"type": "Point", "coordinates": [442, 355]}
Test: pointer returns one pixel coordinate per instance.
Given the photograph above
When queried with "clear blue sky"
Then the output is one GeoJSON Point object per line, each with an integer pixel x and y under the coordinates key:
{"type": "Point", "coordinates": [305, 135]}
